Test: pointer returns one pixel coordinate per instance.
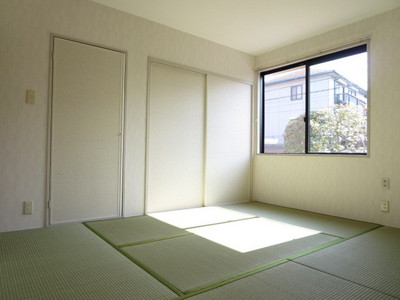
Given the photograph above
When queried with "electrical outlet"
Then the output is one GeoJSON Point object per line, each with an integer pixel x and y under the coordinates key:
{"type": "Point", "coordinates": [385, 206]}
{"type": "Point", "coordinates": [27, 207]}
{"type": "Point", "coordinates": [386, 183]}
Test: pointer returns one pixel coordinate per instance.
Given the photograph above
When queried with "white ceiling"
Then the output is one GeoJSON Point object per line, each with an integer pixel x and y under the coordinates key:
{"type": "Point", "coordinates": [253, 26]}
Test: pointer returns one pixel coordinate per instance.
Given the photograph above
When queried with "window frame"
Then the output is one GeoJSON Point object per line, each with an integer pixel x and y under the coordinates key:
{"type": "Point", "coordinates": [307, 63]}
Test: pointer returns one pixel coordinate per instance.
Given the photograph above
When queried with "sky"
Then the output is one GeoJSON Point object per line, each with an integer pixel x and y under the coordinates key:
{"type": "Point", "coordinates": [354, 68]}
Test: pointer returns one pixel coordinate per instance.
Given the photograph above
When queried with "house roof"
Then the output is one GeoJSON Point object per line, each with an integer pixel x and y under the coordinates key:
{"type": "Point", "coordinates": [285, 76]}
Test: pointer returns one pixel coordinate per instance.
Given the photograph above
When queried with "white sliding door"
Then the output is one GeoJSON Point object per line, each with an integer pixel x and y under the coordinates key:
{"type": "Point", "coordinates": [86, 153]}
{"type": "Point", "coordinates": [175, 153]}
{"type": "Point", "coordinates": [228, 150]}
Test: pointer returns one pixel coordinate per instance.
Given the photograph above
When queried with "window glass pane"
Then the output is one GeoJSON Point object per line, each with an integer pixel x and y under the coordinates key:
{"type": "Point", "coordinates": [284, 129]}
{"type": "Point", "coordinates": [338, 105]}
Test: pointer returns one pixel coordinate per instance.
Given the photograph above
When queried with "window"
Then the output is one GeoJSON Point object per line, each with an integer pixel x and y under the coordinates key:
{"type": "Point", "coordinates": [331, 118]}
{"type": "Point", "coordinates": [296, 92]}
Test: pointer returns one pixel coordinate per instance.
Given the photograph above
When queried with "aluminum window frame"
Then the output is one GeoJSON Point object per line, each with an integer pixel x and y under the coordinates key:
{"type": "Point", "coordinates": [307, 63]}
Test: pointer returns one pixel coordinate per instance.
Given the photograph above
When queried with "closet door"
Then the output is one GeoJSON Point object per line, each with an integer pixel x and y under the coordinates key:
{"type": "Point", "coordinates": [86, 153]}
{"type": "Point", "coordinates": [175, 141]}
{"type": "Point", "coordinates": [228, 152]}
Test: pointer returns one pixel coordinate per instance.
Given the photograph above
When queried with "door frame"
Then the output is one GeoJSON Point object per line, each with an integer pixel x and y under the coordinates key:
{"type": "Point", "coordinates": [121, 179]}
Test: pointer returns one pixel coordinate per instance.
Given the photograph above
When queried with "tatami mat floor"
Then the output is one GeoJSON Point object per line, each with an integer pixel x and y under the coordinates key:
{"type": "Point", "coordinates": [241, 251]}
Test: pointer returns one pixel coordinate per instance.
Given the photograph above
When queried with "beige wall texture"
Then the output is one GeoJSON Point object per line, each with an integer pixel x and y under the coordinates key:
{"type": "Point", "coordinates": [341, 186]}
{"type": "Point", "coordinates": [25, 30]}
{"type": "Point", "coordinates": [337, 185]}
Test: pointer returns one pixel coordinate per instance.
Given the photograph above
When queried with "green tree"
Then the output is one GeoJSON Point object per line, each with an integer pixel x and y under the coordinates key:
{"type": "Point", "coordinates": [339, 129]}
{"type": "Point", "coordinates": [294, 135]}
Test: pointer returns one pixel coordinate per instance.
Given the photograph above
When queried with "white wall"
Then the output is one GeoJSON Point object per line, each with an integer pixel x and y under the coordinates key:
{"type": "Point", "coordinates": [25, 28]}
{"type": "Point", "coordinates": [345, 186]}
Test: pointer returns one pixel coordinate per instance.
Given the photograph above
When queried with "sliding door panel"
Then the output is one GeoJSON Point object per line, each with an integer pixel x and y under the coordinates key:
{"type": "Point", "coordinates": [175, 154]}
{"type": "Point", "coordinates": [228, 151]}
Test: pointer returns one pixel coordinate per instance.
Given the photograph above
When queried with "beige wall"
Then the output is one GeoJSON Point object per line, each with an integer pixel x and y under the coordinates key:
{"type": "Point", "coordinates": [345, 186]}
{"type": "Point", "coordinates": [25, 28]}
{"type": "Point", "coordinates": [342, 186]}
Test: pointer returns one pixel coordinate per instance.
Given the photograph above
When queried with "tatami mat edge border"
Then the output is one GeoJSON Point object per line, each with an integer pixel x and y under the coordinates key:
{"type": "Point", "coordinates": [202, 289]}
{"type": "Point", "coordinates": [138, 263]}
{"type": "Point", "coordinates": [198, 290]}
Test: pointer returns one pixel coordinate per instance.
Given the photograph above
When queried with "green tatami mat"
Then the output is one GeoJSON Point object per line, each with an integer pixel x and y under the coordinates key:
{"type": "Point", "coordinates": [327, 224]}
{"type": "Point", "coordinates": [201, 216]}
{"type": "Point", "coordinates": [372, 260]}
{"type": "Point", "coordinates": [191, 261]}
{"type": "Point", "coordinates": [70, 262]}
{"type": "Point", "coordinates": [134, 229]}
{"type": "Point", "coordinates": [291, 281]}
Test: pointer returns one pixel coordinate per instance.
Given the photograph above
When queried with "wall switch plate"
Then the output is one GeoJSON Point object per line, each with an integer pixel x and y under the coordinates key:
{"type": "Point", "coordinates": [385, 206]}
{"type": "Point", "coordinates": [27, 207]}
{"type": "Point", "coordinates": [386, 183]}
{"type": "Point", "coordinates": [30, 97]}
